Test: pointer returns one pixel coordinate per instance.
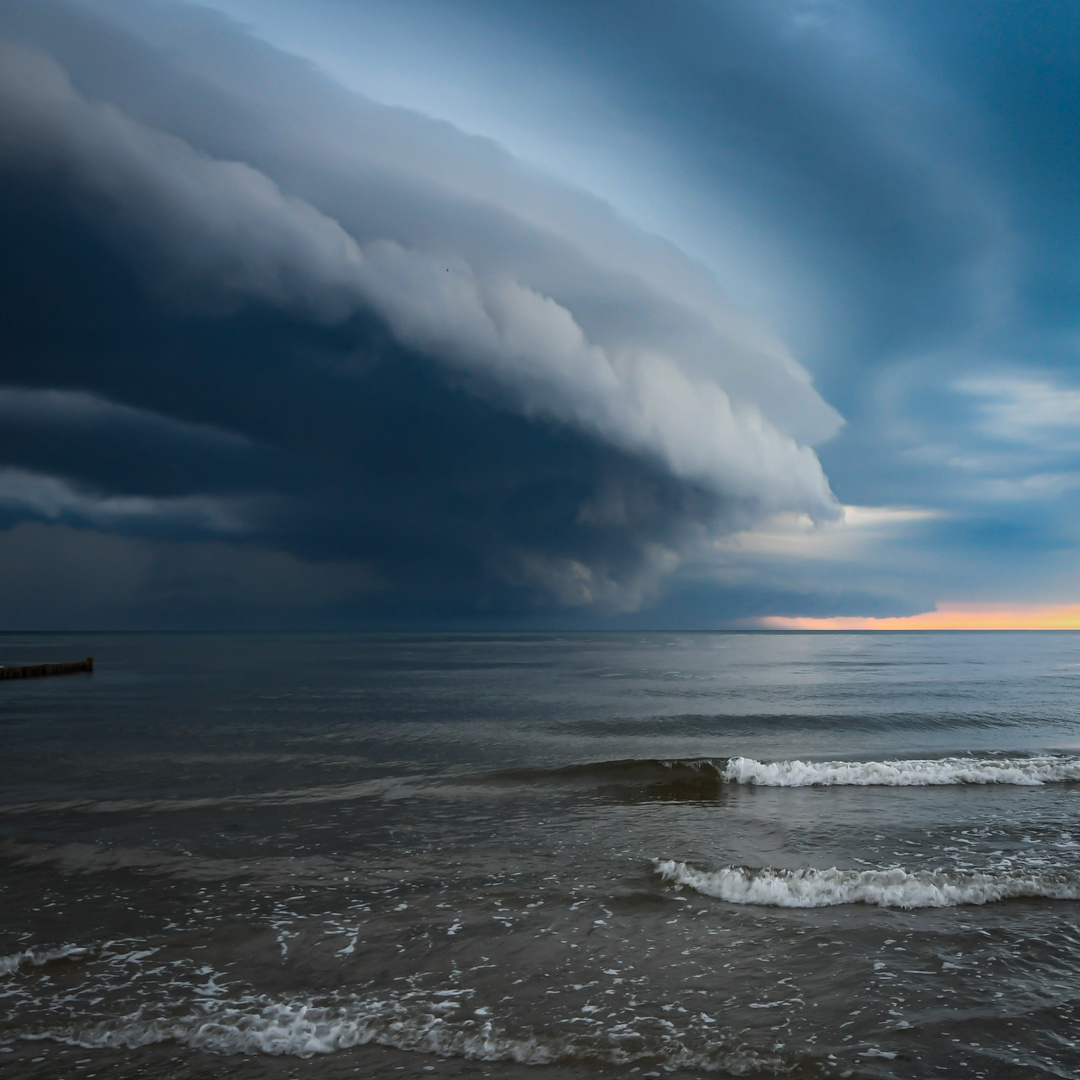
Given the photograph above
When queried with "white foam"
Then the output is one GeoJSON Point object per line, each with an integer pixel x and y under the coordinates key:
{"type": "Point", "coordinates": [258, 1025]}
{"type": "Point", "coordinates": [415, 1022]}
{"type": "Point", "coordinates": [915, 772]}
{"type": "Point", "coordinates": [894, 887]}
{"type": "Point", "coordinates": [38, 957]}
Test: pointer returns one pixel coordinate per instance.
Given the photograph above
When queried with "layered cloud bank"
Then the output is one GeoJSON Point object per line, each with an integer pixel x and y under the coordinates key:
{"type": "Point", "coordinates": [252, 310]}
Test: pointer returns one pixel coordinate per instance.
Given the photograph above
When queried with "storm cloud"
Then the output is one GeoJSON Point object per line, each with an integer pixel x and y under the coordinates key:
{"type": "Point", "coordinates": [254, 315]}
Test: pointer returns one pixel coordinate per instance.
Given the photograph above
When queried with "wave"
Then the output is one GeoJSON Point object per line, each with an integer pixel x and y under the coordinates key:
{"type": "Point", "coordinates": [626, 770]}
{"type": "Point", "coordinates": [891, 888]}
{"type": "Point", "coordinates": [914, 772]}
{"type": "Point", "coordinates": [691, 779]}
{"type": "Point", "coordinates": [430, 1023]}
{"type": "Point", "coordinates": [704, 777]}
{"type": "Point", "coordinates": [39, 957]}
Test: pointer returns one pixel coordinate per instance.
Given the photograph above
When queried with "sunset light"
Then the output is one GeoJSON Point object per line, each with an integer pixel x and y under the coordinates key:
{"type": "Point", "coordinates": [967, 617]}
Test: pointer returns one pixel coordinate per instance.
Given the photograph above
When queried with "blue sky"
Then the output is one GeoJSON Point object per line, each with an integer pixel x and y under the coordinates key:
{"type": "Point", "coordinates": [543, 313]}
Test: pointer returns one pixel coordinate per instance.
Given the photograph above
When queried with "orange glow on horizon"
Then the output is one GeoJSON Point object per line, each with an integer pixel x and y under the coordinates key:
{"type": "Point", "coordinates": [969, 617]}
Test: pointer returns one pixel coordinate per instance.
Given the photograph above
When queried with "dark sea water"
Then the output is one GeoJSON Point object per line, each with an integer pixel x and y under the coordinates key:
{"type": "Point", "coordinates": [542, 855]}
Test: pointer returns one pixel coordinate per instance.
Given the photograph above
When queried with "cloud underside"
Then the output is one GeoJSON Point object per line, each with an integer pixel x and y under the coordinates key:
{"type": "Point", "coordinates": [256, 318]}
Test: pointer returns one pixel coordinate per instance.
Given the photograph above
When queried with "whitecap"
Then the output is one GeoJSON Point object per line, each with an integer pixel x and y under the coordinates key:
{"type": "Point", "coordinates": [38, 957]}
{"type": "Point", "coordinates": [914, 772]}
{"type": "Point", "coordinates": [893, 887]}
{"type": "Point", "coordinates": [257, 1025]}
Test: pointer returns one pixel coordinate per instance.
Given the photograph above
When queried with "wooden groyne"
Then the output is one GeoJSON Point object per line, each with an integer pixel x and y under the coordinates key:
{"type": "Point", "coordinates": [39, 671]}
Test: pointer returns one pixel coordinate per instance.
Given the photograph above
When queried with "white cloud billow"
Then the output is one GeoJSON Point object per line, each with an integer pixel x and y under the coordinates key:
{"type": "Point", "coordinates": [722, 412]}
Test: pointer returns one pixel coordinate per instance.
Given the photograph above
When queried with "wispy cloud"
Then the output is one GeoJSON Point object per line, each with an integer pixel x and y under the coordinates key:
{"type": "Point", "coordinates": [1026, 409]}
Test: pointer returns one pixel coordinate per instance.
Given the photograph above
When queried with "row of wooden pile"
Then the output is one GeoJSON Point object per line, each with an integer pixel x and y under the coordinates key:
{"type": "Point", "coordinates": [37, 671]}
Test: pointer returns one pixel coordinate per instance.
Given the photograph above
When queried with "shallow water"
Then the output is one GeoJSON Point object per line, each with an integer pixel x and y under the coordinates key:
{"type": "Point", "coordinates": [542, 855]}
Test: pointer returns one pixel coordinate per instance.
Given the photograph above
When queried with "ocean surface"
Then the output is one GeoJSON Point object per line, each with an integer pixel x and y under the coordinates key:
{"type": "Point", "coordinates": [542, 855]}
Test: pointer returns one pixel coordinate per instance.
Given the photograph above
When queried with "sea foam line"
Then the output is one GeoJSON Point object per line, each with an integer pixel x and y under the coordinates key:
{"type": "Point", "coordinates": [892, 888]}
{"type": "Point", "coordinates": [259, 1025]}
{"type": "Point", "coordinates": [915, 772]}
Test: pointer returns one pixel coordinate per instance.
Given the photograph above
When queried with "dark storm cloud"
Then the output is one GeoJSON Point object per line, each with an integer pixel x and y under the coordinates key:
{"type": "Point", "coordinates": [57, 575]}
{"type": "Point", "coordinates": [254, 313]}
{"type": "Point", "coordinates": [102, 443]}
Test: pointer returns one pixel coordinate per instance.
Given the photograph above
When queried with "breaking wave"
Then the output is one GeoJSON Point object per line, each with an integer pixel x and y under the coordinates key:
{"type": "Point", "coordinates": [39, 957]}
{"type": "Point", "coordinates": [915, 772]}
{"type": "Point", "coordinates": [705, 777]}
{"type": "Point", "coordinates": [431, 1023]}
{"type": "Point", "coordinates": [892, 888]}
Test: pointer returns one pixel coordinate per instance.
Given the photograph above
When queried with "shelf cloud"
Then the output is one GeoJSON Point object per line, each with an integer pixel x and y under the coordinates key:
{"type": "Point", "coordinates": [409, 350]}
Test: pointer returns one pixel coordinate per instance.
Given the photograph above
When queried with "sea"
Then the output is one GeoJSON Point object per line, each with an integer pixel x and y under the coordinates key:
{"type": "Point", "coordinates": [541, 855]}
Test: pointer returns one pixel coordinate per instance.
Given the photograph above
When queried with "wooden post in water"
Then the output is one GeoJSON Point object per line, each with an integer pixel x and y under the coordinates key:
{"type": "Point", "coordinates": [38, 671]}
